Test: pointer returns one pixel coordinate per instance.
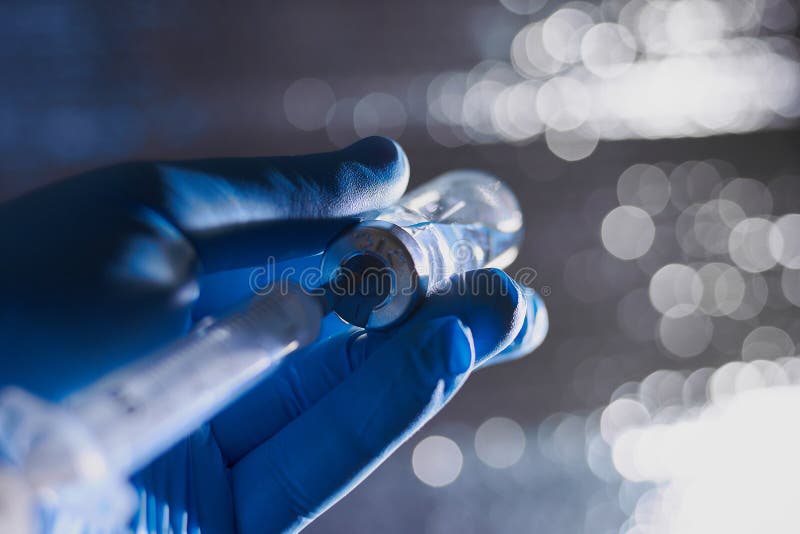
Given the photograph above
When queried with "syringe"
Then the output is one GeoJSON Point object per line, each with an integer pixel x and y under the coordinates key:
{"type": "Point", "coordinates": [77, 455]}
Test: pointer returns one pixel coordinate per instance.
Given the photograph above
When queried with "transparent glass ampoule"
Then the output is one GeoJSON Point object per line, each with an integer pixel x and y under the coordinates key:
{"type": "Point", "coordinates": [460, 221]}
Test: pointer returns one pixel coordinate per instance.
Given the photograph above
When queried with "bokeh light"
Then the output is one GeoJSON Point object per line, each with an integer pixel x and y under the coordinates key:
{"type": "Point", "coordinates": [767, 342]}
{"type": "Point", "coordinates": [620, 415]}
{"type": "Point", "coordinates": [608, 49]}
{"type": "Point", "coordinates": [563, 103]}
{"type": "Point", "coordinates": [755, 297]}
{"type": "Point", "coordinates": [753, 245]}
{"type": "Point", "coordinates": [751, 195]}
{"type": "Point", "coordinates": [790, 284]}
{"type": "Point", "coordinates": [562, 32]}
{"type": "Point", "coordinates": [685, 336]}
{"type": "Point", "coordinates": [723, 289]}
{"type": "Point", "coordinates": [644, 186]}
{"type": "Point", "coordinates": [529, 55]}
{"type": "Point", "coordinates": [523, 7]}
{"type": "Point", "coordinates": [437, 461]}
{"type": "Point", "coordinates": [627, 232]}
{"type": "Point", "coordinates": [676, 290]}
{"type": "Point", "coordinates": [714, 222]}
{"type": "Point", "coordinates": [571, 145]}
{"type": "Point", "coordinates": [499, 442]}
{"type": "Point", "coordinates": [725, 465]}
{"type": "Point", "coordinates": [306, 103]}
{"type": "Point", "coordinates": [693, 182]}
{"type": "Point", "coordinates": [379, 114]}
{"type": "Point", "coordinates": [784, 241]}
{"type": "Point", "coordinates": [625, 69]}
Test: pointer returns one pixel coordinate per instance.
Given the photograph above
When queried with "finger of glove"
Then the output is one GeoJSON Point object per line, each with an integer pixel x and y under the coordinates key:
{"type": "Point", "coordinates": [239, 211]}
{"type": "Point", "coordinates": [319, 457]}
{"type": "Point", "coordinates": [486, 301]}
{"type": "Point", "coordinates": [531, 335]}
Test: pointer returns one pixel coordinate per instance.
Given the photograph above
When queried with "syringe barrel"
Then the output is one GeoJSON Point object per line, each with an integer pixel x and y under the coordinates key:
{"type": "Point", "coordinates": [137, 412]}
{"type": "Point", "coordinates": [125, 420]}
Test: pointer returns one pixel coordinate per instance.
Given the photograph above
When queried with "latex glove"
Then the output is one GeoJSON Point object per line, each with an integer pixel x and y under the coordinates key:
{"type": "Point", "coordinates": [135, 243]}
{"type": "Point", "coordinates": [106, 266]}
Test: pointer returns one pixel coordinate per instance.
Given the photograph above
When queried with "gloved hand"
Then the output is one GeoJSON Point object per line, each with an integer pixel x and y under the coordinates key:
{"type": "Point", "coordinates": [110, 265]}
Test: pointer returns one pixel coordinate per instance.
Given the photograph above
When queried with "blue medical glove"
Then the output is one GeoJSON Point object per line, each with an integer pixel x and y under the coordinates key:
{"type": "Point", "coordinates": [108, 266]}
{"type": "Point", "coordinates": [103, 267]}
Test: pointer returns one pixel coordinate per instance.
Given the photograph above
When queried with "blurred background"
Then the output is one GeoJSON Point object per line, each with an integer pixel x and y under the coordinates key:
{"type": "Point", "coordinates": [654, 148]}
